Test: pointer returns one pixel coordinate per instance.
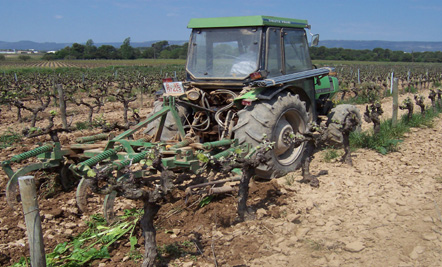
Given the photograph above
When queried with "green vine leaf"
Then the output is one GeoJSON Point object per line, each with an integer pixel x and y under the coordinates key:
{"type": "Point", "coordinates": [91, 173]}
{"type": "Point", "coordinates": [202, 157]}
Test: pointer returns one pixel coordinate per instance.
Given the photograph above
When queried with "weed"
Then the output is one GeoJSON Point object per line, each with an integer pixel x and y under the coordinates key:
{"type": "Point", "coordinates": [418, 120]}
{"type": "Point", "coordinates": [359, 100]}
{"type": "Point", "coordinates": [99, 121]}
{"type": "Point", "coordinates": [187, 244]}
{"type": "Point", "coordinates": [177, 249]}
{"type": "Point", "coordinates": [111, 98]}
{"type": "Point", "coordinates": [9, 138]}
{"type": "Point", "coordinates": [410, 89]}
{"type": "Point", "coordinates": [315, 245]}
{"type": "Point", "coordinates": [23, 262]}
{"type": "Point", "coordinates": [385, 141]}
{"type": "Point", "coordinates": [289, 179]}
{"type": "Point", "coordinates": [93, 243]}
{"type": "Point", "coordinates": [389, 137]}
{"type": "Point", "coordinates": [331, 154]}
{"type": "Point", "coordinates": [193, 257]}
{"type": "Point", "coordinates": [171, 250]}
{"type": "Point", "coordinates": [49, 186]}
{"type": "Point", "coordinates": [205, 201]}
{"type": "Point", "coordinates": [438, 179]}
{"type": "Point", "coordinates": [135, 255]}
{"type": "Point", "coordinates": [82, 125]}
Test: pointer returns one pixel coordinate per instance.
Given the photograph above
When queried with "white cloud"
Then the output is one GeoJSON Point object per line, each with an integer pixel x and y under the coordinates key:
{"type": "Point", "coordinates": [58, 16]}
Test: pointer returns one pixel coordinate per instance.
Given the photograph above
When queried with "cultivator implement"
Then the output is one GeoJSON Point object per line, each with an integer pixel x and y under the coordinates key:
{"type": "Point", "coordinates": [50, 155]}
{"type": "Point", "coordinates": [112, 154]}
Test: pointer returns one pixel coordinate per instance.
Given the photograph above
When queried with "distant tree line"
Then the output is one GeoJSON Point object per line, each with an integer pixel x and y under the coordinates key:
{"type": "Point", "coordinates": [377, 54]}
{"type": "Point", "coordinates": [163, 50]}
{"type": "Point", "coordinates": [160, 49]}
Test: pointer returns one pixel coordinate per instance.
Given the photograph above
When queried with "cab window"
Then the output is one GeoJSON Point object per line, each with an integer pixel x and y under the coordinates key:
{"type": "Point", "coordinates": [296, 54]}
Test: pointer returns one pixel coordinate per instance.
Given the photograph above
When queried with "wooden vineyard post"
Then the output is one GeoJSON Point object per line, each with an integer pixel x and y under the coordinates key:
{"type": "Point", "coordinates": [359, 77]}
{"type": "Point", "coordinates": [62, 106]}
{"type": "Point", "coordinates": [392, 79]}
{"type": "Point", "coordinates": [395, 102]}
{"type": "Point", "coordinates": [31, 212]}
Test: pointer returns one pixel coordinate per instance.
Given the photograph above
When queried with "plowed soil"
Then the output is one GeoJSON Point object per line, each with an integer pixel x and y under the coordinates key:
{"type": "Point", "coordinates": [385, 210]}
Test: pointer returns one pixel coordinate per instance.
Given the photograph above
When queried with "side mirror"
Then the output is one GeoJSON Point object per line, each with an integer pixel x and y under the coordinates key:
{"type": "Point", "coordinates": [315, 40]}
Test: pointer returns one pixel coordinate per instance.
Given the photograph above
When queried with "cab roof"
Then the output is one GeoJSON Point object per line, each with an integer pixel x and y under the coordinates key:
{"type": "Point", "coordinates": [246, 21]}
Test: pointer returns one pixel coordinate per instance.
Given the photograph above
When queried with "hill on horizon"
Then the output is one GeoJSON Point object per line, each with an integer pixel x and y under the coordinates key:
{"type": "Point", "coordinates": [406, 46]}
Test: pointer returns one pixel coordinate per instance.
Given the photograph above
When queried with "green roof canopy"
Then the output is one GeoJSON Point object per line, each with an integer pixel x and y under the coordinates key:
{"type": "Point", "coordinates": [246, 21]}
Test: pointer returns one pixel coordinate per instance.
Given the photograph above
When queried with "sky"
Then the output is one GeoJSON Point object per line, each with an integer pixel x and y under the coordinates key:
{"type": "Point", "coordinates": [68, 21]}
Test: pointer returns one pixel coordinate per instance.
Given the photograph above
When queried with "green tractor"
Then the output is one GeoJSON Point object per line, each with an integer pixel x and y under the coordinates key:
{"type": "Point", "coordinates": [248, 77]}
{"type": "Point", "coordinates": [249, 80]}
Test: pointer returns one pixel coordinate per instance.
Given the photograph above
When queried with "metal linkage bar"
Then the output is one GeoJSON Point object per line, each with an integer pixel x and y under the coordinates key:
{"type": "Point", "coordinates": [82, 140]}
{"type": "Point", "coordinates": [168, 106]}
{"type": "Point", "coordinates": [233, 179]}
{"type": "Point", "coordinates": [214, 144]}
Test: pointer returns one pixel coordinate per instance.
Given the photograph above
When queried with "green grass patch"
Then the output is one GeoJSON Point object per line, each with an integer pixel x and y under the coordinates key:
{"type": "Point", "coordinates": [390, 137]}
{"type": "Point", "coordinates": [438, 179]}
{"type": "Point", "coordinates": [82, 125]}
{"type": "Point", "coordinates": [331, 154]}
{"type": "Point", "coordinates": [410, 89]}
{"type": "Point", "coordinates": [9, 138]}
{"type": "Point", "coordinates": [176, 250]}
{"type": "Point", "coordinates": [315, 245]}
{"type": "Point", "coordinates": [359, 100]}
{"type": "Point", "coordinates": [290, 179]}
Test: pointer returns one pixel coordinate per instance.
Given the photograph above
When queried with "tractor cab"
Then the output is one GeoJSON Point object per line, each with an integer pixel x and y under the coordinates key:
{"type": "Point", "coordinates": [243, 49]}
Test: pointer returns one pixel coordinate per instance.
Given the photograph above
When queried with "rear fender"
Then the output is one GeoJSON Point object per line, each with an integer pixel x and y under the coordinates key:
{"type": "Point", "coordinates": [267, 93]}
{"type": "Point", "coordinates": [250, 96]}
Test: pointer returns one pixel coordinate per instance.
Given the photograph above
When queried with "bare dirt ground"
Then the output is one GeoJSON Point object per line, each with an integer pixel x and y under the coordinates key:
{"type": "Point", "coordinates": [383, 211]}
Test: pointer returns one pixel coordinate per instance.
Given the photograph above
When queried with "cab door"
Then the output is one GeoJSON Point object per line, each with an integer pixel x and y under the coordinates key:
{"type": "Point", "coordinates": [274, 52]}
{"type": "Point", "coordinates": [287, 51]}
{"type": "Point", "coordinates": [296, 54]}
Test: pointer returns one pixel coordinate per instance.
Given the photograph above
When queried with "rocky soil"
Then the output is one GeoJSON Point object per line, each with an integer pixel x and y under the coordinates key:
{"type": "Point", "coordinates": [383, 211]}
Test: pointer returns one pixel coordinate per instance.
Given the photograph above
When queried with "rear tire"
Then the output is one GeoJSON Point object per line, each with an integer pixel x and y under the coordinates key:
{"type": "Point", "coordinates": [170, 129]}
{"type": "Point", "coordinates": [277, 119]}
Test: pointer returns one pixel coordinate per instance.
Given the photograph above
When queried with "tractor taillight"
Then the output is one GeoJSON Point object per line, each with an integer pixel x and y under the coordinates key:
{"type": "Point", "coordinates": [246, 102]}
{"type": "Point", "coordinates": [167, 80]}
{"type": "Point", "coordinates": [160, 99]}
{"type": "Point", "coordinates": [255, 76]}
